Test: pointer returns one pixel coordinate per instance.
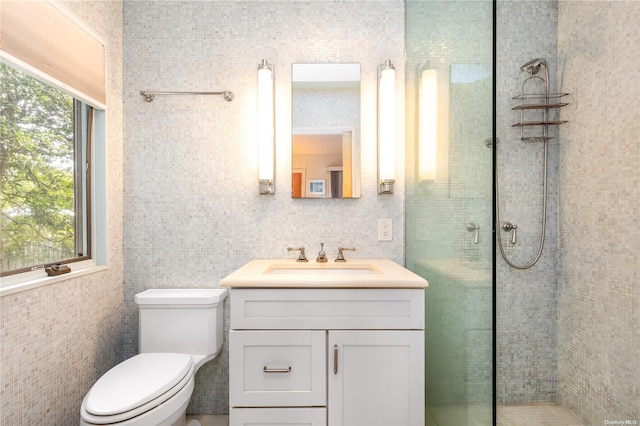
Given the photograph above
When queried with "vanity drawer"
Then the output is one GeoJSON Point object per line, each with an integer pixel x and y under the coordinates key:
{"type": "Point", "coordinates": [278, 416]}
{"type": "Point", "coordinates": [329, 309]}
{"type": "Point", "coordinates": [277, 368]}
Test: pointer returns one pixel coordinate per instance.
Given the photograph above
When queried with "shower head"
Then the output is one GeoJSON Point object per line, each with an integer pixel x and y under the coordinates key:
{"type": "Point", "coordinates": [533, 66]}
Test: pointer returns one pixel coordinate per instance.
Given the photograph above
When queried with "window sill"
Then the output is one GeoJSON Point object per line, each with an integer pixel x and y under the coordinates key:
{"type": "Point", "coordinates": [29, 280]}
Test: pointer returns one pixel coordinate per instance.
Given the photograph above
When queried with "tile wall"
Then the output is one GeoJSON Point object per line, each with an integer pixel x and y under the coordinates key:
{"type": "Point", "coordinates": [599, 232]}
{"type": "Point", "coordinates": [192, 213]}
{"type": "Point", "coordinates": [526, 299]}
{"type": "Point", "coordinates": [55, 341]}
{"type": "Point", "coordinates": [450, 37]}
{"type": "Point", "coordinates": [192, 209]}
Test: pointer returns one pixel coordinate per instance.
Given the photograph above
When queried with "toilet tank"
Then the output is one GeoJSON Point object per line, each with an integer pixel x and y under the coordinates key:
{"type": "Point", "coordinates": [181, 320]}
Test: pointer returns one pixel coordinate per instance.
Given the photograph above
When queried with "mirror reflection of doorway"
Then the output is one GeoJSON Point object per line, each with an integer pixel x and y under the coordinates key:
{"type": "Point", "coordinates": [320, 152]}
{"type": "Point", "coordinates": [297, 183]}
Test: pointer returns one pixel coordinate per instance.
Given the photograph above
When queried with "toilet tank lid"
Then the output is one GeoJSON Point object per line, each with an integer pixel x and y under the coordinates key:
{"type": "Point", "coordinates": [181, 296]}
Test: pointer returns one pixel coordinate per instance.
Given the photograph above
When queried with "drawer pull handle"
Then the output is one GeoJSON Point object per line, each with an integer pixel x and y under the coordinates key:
{"type": "Point", "coordinates": [335, 359]}
{"type": "Point", "coordinates": [276, 370]}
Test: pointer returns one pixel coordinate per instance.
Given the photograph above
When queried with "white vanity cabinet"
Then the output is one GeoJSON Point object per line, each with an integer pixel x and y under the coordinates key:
{"type": "Point", "coordinates": [326, 357]}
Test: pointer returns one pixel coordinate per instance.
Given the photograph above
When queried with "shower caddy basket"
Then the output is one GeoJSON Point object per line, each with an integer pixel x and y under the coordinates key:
{"type": "Point", "coordinates": [530, 102]}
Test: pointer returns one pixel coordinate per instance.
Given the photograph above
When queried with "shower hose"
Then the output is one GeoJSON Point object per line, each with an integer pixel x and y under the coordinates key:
{"type": "Point", "coordinates": [544, 214]}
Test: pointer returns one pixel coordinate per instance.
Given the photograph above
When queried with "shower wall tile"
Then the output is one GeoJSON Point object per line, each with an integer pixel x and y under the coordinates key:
{"type": "Point", "coordinates": [454, 38]}
{"type": "Point", "coordinates": [56, 340]}
{"type": "Point", "coordinates": [526, 299]}
{"type": "Point", "coordinates": [443, 34]}
{"type": "Point", "coordinates": [599, 232]}
{"type": "Point", "coordinates": [192, 209]}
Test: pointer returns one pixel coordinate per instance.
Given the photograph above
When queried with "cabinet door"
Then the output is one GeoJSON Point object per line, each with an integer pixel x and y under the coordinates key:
{"type": "Point", "coordinates": [375, 378]}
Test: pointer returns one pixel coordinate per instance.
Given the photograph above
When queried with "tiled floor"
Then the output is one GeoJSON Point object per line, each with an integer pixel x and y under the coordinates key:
{"type": "Point", "coordinates": [208, 420]}
{"type": "Point", "coordinates": [508, 415]}
{"type": "Point", "coordinates": [458, 415]}
{"type": "Point", "coordinates": [536, 415]}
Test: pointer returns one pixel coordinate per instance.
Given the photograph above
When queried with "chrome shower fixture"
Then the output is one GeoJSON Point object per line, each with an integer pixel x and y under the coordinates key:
{"type": "Point", "coordinates": [533, 66]}
{"type": "Point", "coordinates": [488, 142]}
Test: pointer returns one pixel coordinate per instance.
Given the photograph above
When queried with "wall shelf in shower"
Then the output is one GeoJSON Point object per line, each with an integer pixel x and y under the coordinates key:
{"type": "Point", "coordinates": [540, 96]}
{"type": "Point", "coordinates": [542, 102]}
{"type": "Point", "coordinates": [539, 123]}
{"type": "Point", "coordinates": [539, 106]}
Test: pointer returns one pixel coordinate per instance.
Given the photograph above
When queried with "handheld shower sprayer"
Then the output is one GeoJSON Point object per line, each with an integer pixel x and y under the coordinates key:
{"type": "Point", "coordinates": [543, 102]}
{"type": "Point", "coordinates": [533, 66]}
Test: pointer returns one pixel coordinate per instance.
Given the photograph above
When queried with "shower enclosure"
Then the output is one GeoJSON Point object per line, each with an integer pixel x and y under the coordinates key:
{"type": "Point", "coordinates": [491, 303]}
{"type": "Point", "coordinates": [449, 201]}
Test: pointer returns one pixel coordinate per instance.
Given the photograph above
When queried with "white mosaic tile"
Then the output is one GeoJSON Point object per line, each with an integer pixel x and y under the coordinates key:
{"type": "Point", "coordinates": [599, 168]}
{"type": "Point", "coordinates": [192, 208]}
{"type": "Point", "coordinates": [535, 415]}
{"type": "Point", "coordinates": [526, 300]}
{"type": "Point", "coordinates": [56, 340]}
{"type": "Point", "coordinates": [192, 214]}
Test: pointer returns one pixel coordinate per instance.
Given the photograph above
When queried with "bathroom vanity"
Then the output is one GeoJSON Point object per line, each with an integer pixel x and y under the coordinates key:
{"type": "Point", "coordinates": [326, 344]}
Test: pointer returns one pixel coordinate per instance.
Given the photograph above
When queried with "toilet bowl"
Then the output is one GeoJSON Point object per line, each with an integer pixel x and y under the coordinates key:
{"type": "Point", "coordinates": [180, 330]}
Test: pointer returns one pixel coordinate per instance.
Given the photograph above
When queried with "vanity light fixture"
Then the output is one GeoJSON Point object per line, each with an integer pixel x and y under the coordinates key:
{"type": "Point", "coordinates": [428, 125]}
{"type": "Point", "coordinates": [386, 127]}
{"type": "Point", "coordinates": [266, 129]}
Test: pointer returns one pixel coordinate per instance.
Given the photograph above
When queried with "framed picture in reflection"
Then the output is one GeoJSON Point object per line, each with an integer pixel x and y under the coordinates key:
{"type": "Point", "coordinates": [316, 188]}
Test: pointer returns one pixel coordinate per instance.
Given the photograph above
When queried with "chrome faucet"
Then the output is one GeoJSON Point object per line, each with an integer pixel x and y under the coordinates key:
{"type": "Point", "coordinates": [340, 257]}
{"type": "Point", "coordinates": [472, 227]}
{"type": "Point", "coordinates": [508, 226]}
{"type": "Point", "coordinates": [322, 256]}
{"type": "Point", "coordinates": [302, 257]}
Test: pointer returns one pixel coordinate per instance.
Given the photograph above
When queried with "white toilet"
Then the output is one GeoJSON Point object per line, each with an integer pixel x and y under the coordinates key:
{"type": "Point", "coordinates": [180, 330]}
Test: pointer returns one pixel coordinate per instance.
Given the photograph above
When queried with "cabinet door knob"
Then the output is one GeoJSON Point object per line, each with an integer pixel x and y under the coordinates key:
{"type": "Point", "coordinates": [335, 359]}
{"type": "Point", "coordinates": [276, 370]}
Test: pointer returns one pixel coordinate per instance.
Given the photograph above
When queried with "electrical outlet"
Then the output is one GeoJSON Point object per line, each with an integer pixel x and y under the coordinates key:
{"type": "Point", "coordinates": [385, 231]}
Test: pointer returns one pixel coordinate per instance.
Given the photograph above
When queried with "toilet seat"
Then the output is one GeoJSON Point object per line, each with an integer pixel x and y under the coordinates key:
{"type": "Point", "coordinates": [136, 386]}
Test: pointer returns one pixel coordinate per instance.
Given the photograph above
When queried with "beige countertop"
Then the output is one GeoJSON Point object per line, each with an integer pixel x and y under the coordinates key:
{"type": "Point", "coordinates": [354, 273]}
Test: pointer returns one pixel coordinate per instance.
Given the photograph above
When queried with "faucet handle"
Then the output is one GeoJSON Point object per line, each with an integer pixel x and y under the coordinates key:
{"type": "Point", "coordinates": [508, 226]}
{"type": "Point", "coordinates": [340, 257]}
{"type": "Point", "coordinates": [472, 227]}
{"type": "Point", "coordinates": [302, 257]}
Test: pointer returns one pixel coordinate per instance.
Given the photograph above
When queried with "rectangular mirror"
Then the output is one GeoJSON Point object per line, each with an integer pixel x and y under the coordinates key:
{"type": "Point", "coordinates": [325, 131]}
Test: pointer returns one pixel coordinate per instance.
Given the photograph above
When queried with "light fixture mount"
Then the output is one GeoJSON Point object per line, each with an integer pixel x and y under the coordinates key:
{"type": "Point", "coordinates": [267, 186]}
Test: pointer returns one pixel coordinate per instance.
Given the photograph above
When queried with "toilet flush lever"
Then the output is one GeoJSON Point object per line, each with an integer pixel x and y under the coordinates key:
{"type": "Point", "coordinates": [472, 227]}
{"type": "Point", "coordinates": [508, 226]}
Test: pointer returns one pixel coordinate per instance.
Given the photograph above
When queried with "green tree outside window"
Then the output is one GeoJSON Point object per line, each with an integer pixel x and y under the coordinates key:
{"type": "Point", "coordinates": [36, 172]}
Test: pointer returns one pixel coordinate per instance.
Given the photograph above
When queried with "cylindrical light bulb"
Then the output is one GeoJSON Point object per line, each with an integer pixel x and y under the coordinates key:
{"type": "Point", "coordinates": [266, 132]}
{"type": "Point", "coordinates": [387, 124]}
{"type": "Point", "coordinates": [428, 125]}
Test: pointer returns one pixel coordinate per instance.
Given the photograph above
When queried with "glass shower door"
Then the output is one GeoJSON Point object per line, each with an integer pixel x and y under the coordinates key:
{"type": "Point", "coordinates": [449, 207]}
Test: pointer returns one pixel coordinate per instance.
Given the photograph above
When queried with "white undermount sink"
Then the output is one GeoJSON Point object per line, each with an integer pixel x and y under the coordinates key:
{"type": "Point", "coordinates": [354, 273]}
{"type": "Point", "coordinates": [328, 270]}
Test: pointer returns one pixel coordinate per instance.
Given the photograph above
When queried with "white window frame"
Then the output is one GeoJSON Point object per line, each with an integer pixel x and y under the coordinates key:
{"type": "Point", "coordinates": [98, 177]}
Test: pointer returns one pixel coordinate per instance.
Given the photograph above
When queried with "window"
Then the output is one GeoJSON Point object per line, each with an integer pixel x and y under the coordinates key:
{"type": "Point", "coordinates": [45, 147]}
{"type": "Point", "coordinates": [52, 146]}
